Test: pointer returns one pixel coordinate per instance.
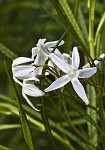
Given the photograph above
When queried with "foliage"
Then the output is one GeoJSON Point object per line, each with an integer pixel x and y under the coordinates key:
{"type": "Point", "coordinates": [64, 122]}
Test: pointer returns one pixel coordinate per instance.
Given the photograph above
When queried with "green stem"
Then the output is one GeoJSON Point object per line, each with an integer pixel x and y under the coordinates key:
{"type": "Point", "coordinates": [46, 124]}
{"type": "Point", "coordinates": [61, 38]}
{"type": "Point", "coordinates": [91, 5]}
{"type": "Point", "coordinates": [90, 90]}
{"type": "Point", "coordinates": [92, 130]}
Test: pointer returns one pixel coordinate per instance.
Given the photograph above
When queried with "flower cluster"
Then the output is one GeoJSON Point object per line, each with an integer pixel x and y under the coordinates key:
{"type": "Point", "coordinates": [26, 71]}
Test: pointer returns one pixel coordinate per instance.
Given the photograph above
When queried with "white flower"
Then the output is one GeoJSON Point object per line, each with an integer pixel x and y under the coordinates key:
{"type": "Point", "coordinates": [41, 52]}
{"type": "Point", "coordinates": [29, 88]}
{"type": "Point", "coordinates": [72, 74]}
{"type": "Point", "coordinates": [20, 70]}
{"type": "Point", "coordinates": [23, 71]}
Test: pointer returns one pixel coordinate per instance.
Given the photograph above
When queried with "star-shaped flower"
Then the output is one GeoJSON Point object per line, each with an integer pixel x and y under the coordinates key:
{"type": "Point", "coordinates": [72, 73]}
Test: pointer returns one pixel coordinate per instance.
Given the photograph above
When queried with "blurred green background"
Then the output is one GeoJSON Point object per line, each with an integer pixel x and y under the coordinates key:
{"type": "Point", "coordinates": [22, 23]}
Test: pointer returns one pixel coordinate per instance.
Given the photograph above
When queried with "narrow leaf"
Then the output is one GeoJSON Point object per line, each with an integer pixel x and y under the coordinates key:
{"type": "Point", "coordinates": [9, 126]}
{"type": "Point", "coordinates": [83, 113]}
{"type": "Point", "coordinates": [24, 123]}
{"type": "Point", "coordinates": [46, 124]}
{"type": "Point", "coordinates": [102, 21]}
{"type": "Point", "coordinates": [65, 12]}
{"type": "Point", "coordinates": [38, 124]}
{"type": "Point", "coordinates": [7, 52]}
{"type": "Point", "coordinates": [4, 148]}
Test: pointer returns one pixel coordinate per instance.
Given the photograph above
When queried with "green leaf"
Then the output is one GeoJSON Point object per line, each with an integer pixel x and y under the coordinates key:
{"type": "Point", "coordinates": [38, 125]}
{"type": "Point", "coordinates": [69, 20]}
{"type": "Point", "coordinates": [24, 123]}
{"type": "Point", "coordinates": [7, 52]}
{"type": "Point", "coordinates": [82, 23]}
{"type": "Point", "coordinates": [74, 137]}
{"type": "Point", "coordinates": [102, 21]}
{"type": "Point", "coordinates": [7, 99]}
{"type": "Point", "coordinates": [4, 148]}
{"type": "Point", "coordinates": [46, 123]}
{"type": "Point", "coordinates": [102, 44]}
{"type": "Point", "coordinates": [83, 113]}
{"type": "Point", "coordinates": [91, 6]}
{"type": "Point", "coordinates": [9, 126]}
{"type": "Point", "coordinates": [92, 130]}
{"type": "Point", "coordinates": [56, 127]}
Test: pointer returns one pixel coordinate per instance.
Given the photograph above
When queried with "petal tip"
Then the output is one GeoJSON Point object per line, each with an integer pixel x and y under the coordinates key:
{"type": "Point", "coordinates": [87, 103]}
{"type": "Point", "coordinates": [46, 90]}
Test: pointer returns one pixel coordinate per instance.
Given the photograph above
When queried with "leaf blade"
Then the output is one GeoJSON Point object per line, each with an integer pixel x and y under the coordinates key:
{"type": "Point", "coordinates": [8, 53]}
{"type": "Point", "coordinates": [24, 123]}
{"type": "Point", "coordinates": [66, 14]}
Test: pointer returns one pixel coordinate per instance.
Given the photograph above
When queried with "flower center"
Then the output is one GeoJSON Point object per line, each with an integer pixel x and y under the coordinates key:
{"type": "Point", "coordinates": [72, 73]}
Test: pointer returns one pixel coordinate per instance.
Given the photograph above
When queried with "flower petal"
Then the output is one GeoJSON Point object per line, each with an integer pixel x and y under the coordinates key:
{"type": "Point", "coordinates": [86, 66]}
{"type": "Point", "coordinates": [96, 62]}
{"type": "Point", "coordinates": [58, 53]}
{"type": "Point", "coordinates": [40, 42]}
{"type": "Point", "coordinates": [52, 44]}
{"type": "Point", "coordinates": [21, 60]}
{"type": "Point", "coordinates": [39, 60]}
{"type": "Point", "coordinates": [30, 89]}
{"type": "Point", "coordinates": [34, 52]}
{"type": "Point", "coordinates": [66, 57]}
{"type": "Point", "coordinates": [33, 78]}
{"type": "Point", "coordinates": [87, 72]}
{"type": "Point", "coordinates": [60, 63]}
{"type": "Point", "coordinates": [38, 71]}
{"type": "Point", "coordinates": [29, 102]}
{"type": "Point", "coordinates": [23, 71]}
{"type": "Point", "coordinates": [16, 80]}
{"type": "Point", "coordinates": [75, 58]}
{"type": "Point", "coordinates": [101, 57]}
{"type": "Point", "coordinates": [79, 89]}
{"type": "Point", "coordinates": [61, 43]}
{"type": "Point", "coordinates": [58, 83]}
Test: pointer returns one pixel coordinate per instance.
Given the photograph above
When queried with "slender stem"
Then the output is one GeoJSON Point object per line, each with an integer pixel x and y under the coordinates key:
{"type": "Point", "coordinates": [91, 5]}
{"type": "Point", "coordinates": [66, 112]}
{"type": "Point", "coordinates": [93, 135]}
{"type": "Point", "coordinates": [61, 38]}
{"type": "Point", "coordinates": [90, 90]}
